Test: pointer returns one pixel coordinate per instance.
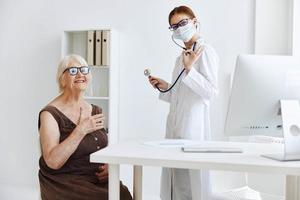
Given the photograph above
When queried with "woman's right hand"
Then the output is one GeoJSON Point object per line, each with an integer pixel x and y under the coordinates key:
{"type": "Point", "coordinates": [160, 83]}
{"type": "Point", "coordinates": [90, 124]}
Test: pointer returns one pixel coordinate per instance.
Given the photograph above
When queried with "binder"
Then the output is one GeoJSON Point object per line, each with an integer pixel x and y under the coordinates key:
{"type": "Point", "coordinates": [90, 47]}
{"type": "Point", "coordinates": [98, 50]}
{"type": "Point", "coordinates": [106, 47]}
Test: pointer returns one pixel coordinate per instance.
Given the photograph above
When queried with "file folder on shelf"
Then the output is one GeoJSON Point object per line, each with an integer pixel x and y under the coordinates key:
{"type": "Point", "coordinates": [90, 47]}
{"type": "Point", "coordinates": [106, 47]}
{"type": "Point", "coordinates": [98, 50]}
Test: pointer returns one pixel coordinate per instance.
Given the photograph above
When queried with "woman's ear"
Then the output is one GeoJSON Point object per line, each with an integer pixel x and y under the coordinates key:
{"type": "Point", "coordinates": [90, 78]}
{"type": "Point", "coordinates": [63, 81]}
{"type": "Point", "coordinates": [195, 20]}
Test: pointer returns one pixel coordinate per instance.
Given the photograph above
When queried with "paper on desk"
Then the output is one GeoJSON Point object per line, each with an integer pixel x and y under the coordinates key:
{"type": "Point", "coordinates": [170, 143]}
{"type": "Point", "coordinates": [244, 193]}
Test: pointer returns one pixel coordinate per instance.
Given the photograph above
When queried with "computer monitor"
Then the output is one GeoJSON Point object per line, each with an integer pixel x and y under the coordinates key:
{"type": "Point", "coordinates": [259, 83]}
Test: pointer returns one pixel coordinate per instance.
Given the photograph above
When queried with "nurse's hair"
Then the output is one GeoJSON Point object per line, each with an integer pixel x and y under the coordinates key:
{"type": "Point", "coordinates": [181, 10]}
{"type": "Point", "coordinates": [64, 63]}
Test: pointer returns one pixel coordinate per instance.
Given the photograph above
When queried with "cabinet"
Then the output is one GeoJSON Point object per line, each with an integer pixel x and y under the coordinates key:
{"type": "Point", "coordinates": [104, 87]}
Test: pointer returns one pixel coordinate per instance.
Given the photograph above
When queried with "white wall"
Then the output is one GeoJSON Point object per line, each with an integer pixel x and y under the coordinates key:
{"type": "Point", "coordinates": [296, 28]}
{"type": "Point", "coordinates": [232, 35]}
{"type": "Point", "coordinates": [30, 36]}
{"type": "Point", "coordinates": [273, 27]}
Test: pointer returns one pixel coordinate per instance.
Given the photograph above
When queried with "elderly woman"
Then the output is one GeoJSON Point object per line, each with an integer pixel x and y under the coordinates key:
{"type": "Point", "coordinates": [70, 130]}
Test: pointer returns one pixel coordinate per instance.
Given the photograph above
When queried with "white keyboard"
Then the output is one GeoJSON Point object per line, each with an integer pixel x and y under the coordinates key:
{"type": "Point", "coordinates": [201, 149]}
{"type": "Point", "coordinates": [246, 193]}
{"type": "Point", "coordinates": [266, 139]}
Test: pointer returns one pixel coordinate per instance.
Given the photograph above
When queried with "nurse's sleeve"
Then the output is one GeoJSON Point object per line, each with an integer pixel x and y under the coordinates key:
{"type": "Point", "coordinates": [166, 96]}
{"type": "Point", "coordinates": [206, 84]}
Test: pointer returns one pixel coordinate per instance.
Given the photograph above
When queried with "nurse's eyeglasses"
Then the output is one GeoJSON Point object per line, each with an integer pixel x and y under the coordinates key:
{"type": "Point", "coordinates": [183, 22]}
{"type": "Point", "coordinates": [73, 71]}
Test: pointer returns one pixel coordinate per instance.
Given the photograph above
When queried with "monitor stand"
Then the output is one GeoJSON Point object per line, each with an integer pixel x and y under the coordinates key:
{"type": "Point", "coordinates": [290, 114]}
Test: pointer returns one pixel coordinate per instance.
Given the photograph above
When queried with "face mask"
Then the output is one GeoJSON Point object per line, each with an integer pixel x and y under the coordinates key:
{"type": "Point", "coordinates": [185, 33]}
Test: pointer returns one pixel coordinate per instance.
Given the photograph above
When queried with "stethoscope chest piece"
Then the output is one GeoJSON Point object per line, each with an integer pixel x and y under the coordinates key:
{"type": "Point", "coordinates": [147, 72]}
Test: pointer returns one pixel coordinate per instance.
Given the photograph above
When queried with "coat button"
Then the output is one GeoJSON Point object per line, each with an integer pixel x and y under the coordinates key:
{"type": "Point", "coordinates": [96, 138]}
{"type": "Point", "coordinates": [98, 147]}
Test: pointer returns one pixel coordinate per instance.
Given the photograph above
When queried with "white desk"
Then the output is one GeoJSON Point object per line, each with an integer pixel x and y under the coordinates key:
{"type": "Point", "coordinates": [138, 155]}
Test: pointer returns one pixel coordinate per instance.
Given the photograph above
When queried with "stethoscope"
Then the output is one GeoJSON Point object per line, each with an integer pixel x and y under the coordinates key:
{"type": "Point", "coordinates": [147, 72]}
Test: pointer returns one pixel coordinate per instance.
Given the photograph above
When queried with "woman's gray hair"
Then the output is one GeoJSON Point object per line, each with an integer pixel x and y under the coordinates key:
{"type": "Point", "coordinates": [64, 64]}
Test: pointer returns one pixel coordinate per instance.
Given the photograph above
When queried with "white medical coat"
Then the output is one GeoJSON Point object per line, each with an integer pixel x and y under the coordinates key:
{"type": "Point", "coordinates": [189, 118]}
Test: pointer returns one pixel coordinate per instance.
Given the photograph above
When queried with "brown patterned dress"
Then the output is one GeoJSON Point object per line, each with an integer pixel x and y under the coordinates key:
{"type": "Point", "coordinates": [76, 179]}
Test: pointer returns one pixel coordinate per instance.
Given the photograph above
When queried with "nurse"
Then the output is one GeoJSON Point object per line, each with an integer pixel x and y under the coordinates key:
{"type": "Point", "coordinates": [189, 100]}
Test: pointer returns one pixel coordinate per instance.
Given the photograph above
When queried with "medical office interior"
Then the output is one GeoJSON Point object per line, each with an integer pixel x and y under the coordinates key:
{"type": "Point", "coordinates": [32, 36]}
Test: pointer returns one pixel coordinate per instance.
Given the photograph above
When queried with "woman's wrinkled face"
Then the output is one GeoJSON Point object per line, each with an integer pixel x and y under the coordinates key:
{"type": "Point", "coordinates": [76, 81]}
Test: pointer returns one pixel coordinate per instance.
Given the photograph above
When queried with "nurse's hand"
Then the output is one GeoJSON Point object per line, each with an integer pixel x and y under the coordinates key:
{"type": "Point", "coordinates": [190, 57]}
{"type": "Point", "coordinates": [161, 84]}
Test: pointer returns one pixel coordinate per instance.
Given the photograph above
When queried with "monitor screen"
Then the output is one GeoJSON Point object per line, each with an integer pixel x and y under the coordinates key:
{"type": "Point", "coordinates": [259, 83]}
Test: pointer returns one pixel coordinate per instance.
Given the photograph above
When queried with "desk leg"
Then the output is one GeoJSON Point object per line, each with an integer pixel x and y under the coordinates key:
{"type": "Point", "coordinates": [114, 182]}
{"type": "Point", "coordinates": [292, 188]}
{"type": "Point", "coordinates": [137, 182]}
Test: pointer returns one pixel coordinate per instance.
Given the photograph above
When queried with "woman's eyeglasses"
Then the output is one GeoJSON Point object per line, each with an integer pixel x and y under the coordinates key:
{"type": "Point", "coordinates": [181, 23]}
{"type": "Point", "coordinates": [74, 70]}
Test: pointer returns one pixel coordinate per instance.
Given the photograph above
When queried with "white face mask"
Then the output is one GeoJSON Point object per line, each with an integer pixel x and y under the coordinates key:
{"type": "Point", "coordinates": [185, 33]}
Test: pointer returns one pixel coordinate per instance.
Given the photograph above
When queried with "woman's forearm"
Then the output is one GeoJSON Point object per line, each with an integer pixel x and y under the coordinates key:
{"type": "Point", "coordinates": [58, 156]}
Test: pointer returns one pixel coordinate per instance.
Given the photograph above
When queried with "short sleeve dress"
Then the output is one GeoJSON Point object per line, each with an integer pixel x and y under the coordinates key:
{"type": "Point", "coordinates": [76, 179]}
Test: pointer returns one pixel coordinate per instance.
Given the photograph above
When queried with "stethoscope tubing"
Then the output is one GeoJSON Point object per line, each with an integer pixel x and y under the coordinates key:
{"type": "Point", "coordinates": [170, 88]}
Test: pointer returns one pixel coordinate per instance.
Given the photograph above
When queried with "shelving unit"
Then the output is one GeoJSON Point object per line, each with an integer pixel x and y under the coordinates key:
{"type": "Point", "coordinates": [104, 88]}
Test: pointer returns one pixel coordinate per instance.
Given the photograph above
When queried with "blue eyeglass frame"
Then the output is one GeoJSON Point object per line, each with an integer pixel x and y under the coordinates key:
{"type": "Point", "coordinates": [77, 70]}
{"type": "Point", "coordinates": [181, 23]}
